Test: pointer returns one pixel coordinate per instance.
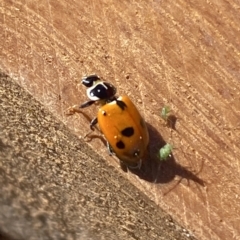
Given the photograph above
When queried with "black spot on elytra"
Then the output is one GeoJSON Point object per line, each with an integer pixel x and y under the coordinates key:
{"type": "Point", "coordinates": [128, 131]}
{"type": "Point", "coordinates": [120, 145]}
{"type": "Point", "coordinates": [121, 104]}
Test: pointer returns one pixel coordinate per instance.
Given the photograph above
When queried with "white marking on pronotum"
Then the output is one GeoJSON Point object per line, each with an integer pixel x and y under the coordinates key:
{"type": "Point", "coordinates": [91, 95]}
{"type": "Point", "coordinates": [113, 102]}
{"type": "Point", "coordinates": [104, 85]}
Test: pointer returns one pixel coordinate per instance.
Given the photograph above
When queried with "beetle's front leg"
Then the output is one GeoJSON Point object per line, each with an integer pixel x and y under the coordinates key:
{"type": "Point", "coordinates": [87, 104]}
{"type": "Point", "coordinates": [72, 110]}
{"type": "Point", "coordinates": [75, 108]}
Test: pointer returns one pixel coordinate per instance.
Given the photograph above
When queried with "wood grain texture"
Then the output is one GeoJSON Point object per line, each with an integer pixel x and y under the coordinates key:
{"type": "Point", "coordinates": [183, 54]}
{"type": "Point", "coordinates": [53, 186]}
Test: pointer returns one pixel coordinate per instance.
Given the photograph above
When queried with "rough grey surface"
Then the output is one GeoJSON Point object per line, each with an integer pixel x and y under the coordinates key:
{"type": "Point", "coordinates": [53, 186]}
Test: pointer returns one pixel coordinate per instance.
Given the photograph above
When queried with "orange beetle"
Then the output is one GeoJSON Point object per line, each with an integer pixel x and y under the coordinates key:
{"type": "Point", "coordinates": [119, 121]}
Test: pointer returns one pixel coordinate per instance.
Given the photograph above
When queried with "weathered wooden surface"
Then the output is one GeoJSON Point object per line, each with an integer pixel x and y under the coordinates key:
{"type": "Point", "coordinates": [183, 54]}
{"type": "Point", "coordinates": [53, 186]}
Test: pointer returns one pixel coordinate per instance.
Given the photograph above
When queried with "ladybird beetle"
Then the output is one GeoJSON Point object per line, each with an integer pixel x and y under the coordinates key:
{"type": "Point", "coordinates": [119, 121]}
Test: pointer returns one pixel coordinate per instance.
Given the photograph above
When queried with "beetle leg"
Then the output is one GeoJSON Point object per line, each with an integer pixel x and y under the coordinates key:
{"type": "Point", "coordinates": [93, 123]}
{"type": "Point", "coordinates": [72, 110]}
{"type": "Point", "coordinates": [137, 166]}
{"type": "Point", "coordinates": [87, 104]}
{"type": "Point", "coordinates": [110, 150]}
